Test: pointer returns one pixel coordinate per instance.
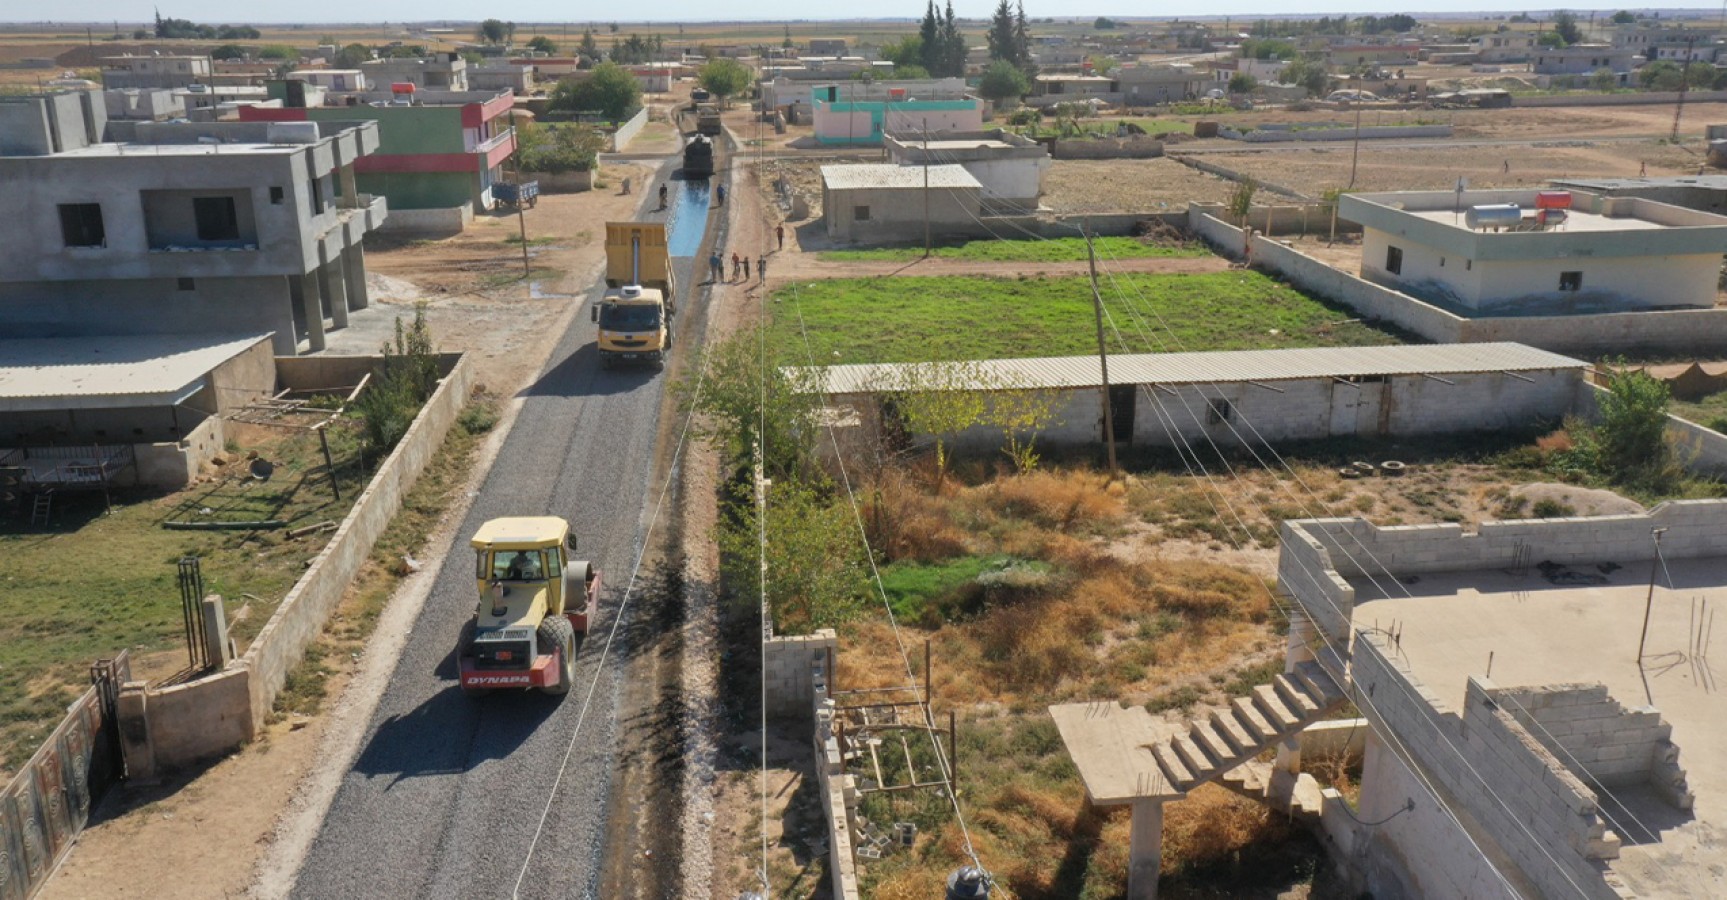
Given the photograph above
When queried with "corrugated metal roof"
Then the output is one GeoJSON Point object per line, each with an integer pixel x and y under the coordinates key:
{"type": "Point", "coordinates": [1222, 366]}
{"type": "Point", "coordinates": [141, 370]}
{"type": "Point", "coordinates": [883, 175]}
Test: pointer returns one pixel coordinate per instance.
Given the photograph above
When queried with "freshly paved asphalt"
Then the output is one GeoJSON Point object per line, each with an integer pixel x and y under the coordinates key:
{"type": "Point", "coordinates": [446, 793]}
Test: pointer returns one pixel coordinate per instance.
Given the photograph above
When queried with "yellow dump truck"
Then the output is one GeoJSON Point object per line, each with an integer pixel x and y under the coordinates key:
{"type": "Point", "coordinates": [534, 601]}
{"type": "Point", "coordinates": [635, 316]}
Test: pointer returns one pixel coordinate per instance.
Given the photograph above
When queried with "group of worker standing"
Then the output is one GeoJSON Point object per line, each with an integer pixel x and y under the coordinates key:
{"type": "Point", "coordinates": [741, 262]}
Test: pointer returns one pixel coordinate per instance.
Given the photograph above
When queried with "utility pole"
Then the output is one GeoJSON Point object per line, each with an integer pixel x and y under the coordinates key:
{"type": "Point", "coordinates": [1355, 152]}
{"type": "Point", "coordinates": [1649, 602]}
{"type": "Point", "coordinates": [521, 216]}
{"type": "Point", "coordinates": [926, 247]}
{"type": "Point", "coordinates": [1102, 354]}
{"type": "Point", "coordinates": [1684, 83]}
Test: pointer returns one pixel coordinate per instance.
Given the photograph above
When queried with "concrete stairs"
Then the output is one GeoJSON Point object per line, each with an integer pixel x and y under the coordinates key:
{"type": "Point", "coordinates": [1225, 744]}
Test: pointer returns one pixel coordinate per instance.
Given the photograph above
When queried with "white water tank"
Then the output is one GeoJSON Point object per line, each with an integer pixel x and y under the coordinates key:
{"type": "Point", "coordinates": [1493, 215]}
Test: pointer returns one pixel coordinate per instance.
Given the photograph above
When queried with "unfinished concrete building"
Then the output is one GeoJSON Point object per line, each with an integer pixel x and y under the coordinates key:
{"type": "Point", "coordinates": [234, 228]}
{"type": "Point", "coordinates": [156, 71]}
{"type": "Point", "coordinates": [1009, 167]}
{"type": "Point", "coordinates": [1541, 717]}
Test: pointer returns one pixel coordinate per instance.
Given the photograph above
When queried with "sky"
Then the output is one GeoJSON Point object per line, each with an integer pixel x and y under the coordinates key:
{"type": "Point", "coordinates": [322, 11]}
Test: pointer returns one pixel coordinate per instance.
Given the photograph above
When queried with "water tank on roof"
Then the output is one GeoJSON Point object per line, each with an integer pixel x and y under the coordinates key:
{"type": "Point", "coordinates": [1493, 215]}
{"type": "Point", "coordinates": [1553, 200]}
{"type": "Point", "coordinates": [292, 133]}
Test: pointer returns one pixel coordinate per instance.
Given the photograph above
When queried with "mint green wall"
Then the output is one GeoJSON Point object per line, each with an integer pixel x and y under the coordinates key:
{"type": "Point", "coordinates": [404, 130]}
{"type": "Point", "coordinates": [419, 190]}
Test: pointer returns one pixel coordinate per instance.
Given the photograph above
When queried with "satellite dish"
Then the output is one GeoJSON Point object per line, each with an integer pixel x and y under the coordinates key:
{"type": "Point", "coordinates": [262, 469]}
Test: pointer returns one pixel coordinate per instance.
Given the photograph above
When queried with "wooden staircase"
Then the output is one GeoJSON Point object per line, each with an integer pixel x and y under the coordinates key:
{"type": "Point", "coordinates": [1225, 744]}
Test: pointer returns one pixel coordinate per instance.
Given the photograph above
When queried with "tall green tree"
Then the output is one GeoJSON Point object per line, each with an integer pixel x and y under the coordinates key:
{"type": "Point", "coordinates": [1022, 40]}
{"type": "Point", "coordinates": [589, 48]}
{"type": "Point", "coordinates": [952, 46]}
{"type": "Point", "coordinates": [608, 90]}
{"type": "Point", "coordinates": [1565, 25]}
{"type": "Point", "coordinates": [907, 51]}
{"type": "Point", "coordinates": [929, 38]}
{"type": "Point", "coordinates": [539, 43]}
{"type": "Point", "coordinates": [1001, 40]}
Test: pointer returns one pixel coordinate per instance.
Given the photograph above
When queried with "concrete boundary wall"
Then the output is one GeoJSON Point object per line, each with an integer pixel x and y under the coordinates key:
{"type": "Point", "coordinates": [627, 131]}
{"type": "Point", "coordinates": [1269, 135]}
{"type": "Point", "coordinates": [215, 714]}
{"type": "Point", "coordinates": [1689, 331]}
{"type": "Point", "coordinates": [1651, 98]}
{"type": "Point", "coordinates": [428, 222]}
{"type": "Point", "coordinates": [1211, 168]}
{"type": "Point", "coordinates": [1105, 148]}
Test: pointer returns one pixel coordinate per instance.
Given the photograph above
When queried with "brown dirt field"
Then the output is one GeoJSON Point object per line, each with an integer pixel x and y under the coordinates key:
{"type": "Point", "coordinates": [141, 846]}
{"type": "Point", "coordinates": [1128, 185]}
{"type": "Point", "coordinates": [1314, 170]}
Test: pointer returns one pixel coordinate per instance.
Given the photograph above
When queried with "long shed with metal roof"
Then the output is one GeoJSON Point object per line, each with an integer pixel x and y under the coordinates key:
{"type": "Point", "coordinates": [1242, 397]}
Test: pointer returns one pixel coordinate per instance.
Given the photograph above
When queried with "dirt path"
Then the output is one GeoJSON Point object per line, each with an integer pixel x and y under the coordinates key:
{"type": "Point", "coordinates": [202, 834]}
{"type": "Point", "coordinates": [811, 265]}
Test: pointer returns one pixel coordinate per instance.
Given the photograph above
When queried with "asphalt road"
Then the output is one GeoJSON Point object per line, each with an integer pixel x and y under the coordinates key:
{"type": "Point", "coordinates": [447, 792]}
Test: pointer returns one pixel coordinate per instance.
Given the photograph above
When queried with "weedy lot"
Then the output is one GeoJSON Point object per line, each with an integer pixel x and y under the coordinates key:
{"type": "Point", "coordinates": [859, 320]}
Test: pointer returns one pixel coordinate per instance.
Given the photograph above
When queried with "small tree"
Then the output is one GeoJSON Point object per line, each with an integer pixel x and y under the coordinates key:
{"type": "Point", "coordinates": [1603, 80]}
{"type": "Point", "coordinates": [1241, 200]}
{"type": "Point", "coordinates": [1103, 24]}
{"type": "Point", "coordinates": [558, 148]}
{"type": "Point", "coordinates": [724, 77]}
{"type": "Point", "coordinates": [407, 376]}
{"type": "Point", "coordinates": [351, 56]}
{"type": "Point", "coordinates": [1624, 17]}
{"type": "Point", "coordinates": [1242, 83]}
{"type": "Point", "coordinates": [539, 43]}
{"type": "Point", "coordinates": [910, 71]}
{"type": "Point", "coordinates": [747, 402]}
{"type": "Point", "coordinates": [1002, 81]}
{"type": "Point", "coordinates": [609, 90]}
{"type": "Point", "coordinates": [1629, 442]}
{"type": "Point", "coordinates": [228, 51]}
{"type": "Point", "coordinates": [1103, 65]}
{"type": "Point", "coordinates": [817, 572]}
{"type": "Point", "coordinates": [1309, 74]}
{"type": "Point", "coordinates": [495, 31]}
{"type": "Point", "coordinates": [277, 51]}
{"type": "Point", "coordinates": [1021, 414]}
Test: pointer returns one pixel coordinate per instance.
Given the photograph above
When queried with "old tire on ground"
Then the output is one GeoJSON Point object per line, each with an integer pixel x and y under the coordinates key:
{"type": "Point", "coordinates": [556, 634]}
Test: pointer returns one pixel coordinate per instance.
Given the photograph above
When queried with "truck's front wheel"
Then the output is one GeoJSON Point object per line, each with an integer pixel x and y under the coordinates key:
{"type": "Point", "coordinates": [556, 635]}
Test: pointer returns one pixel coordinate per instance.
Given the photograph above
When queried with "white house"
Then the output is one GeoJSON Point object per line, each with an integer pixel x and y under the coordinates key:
{"type": "Point", "coordinates": [1488, 252]}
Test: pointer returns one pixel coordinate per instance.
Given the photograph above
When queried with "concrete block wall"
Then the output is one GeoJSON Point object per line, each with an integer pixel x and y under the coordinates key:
{"type": "Point", "coordinates": [1306, 573]}
{"type": "Point", "coordinates": [627, 131]}
{"type": "Point", "coordinates": [1542, 819]}
{"type": "Point", "coordinates": [1360, 548]}
{"type": "Point", "coordinates": [213, 715]}
{"type": "Point", "coordinates": [1596, 738]}
{"type": "Point", "coordinates": [792, 666]}
{"type": "Point", "coordinates": [300, 617]}
{"type": "Point", "coordinates": [830, 778]}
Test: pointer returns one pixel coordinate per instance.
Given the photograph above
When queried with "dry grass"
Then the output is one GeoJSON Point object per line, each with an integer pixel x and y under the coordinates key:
{"type": "Point", "coordinates": [1089, 625]}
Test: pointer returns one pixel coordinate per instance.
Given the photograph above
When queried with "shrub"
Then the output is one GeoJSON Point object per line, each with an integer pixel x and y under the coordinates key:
{"type": "Point", "coordinates": [407, 376]}
{"type": "Point", "coordinates": [558, 148]}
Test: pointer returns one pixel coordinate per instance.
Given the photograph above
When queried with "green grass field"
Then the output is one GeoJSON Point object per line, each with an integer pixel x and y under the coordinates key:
{"type": "Point", "coordinates": [1054, 250]}
{"type": "Point", "coordinates": [95, 584]}
{"type": "Point", "coordinates": [869, 320]}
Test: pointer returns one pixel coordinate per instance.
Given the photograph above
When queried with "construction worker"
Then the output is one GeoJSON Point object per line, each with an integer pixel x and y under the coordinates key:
{"type": "Point", "coordinates": [780, 234]}
{"type": "Point", "coordinates": [746, 268]}
{"type": "Point", "coordinates": [662, 196]}
{"type": "Point", "coordinates": [716, 266]}
{"type": "Point", "coordinates": [762, 267]}
{"type": "Point", "coordinates": [720, 193]}
{"type": "Point", "coordinates": [737, 265]}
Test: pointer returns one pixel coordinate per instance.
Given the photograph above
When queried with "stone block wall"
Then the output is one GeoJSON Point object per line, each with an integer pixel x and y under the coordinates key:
{"type": "Point", "coordinates": [1542, 817]}
{"type": "Point", "coordinates": [793, 665]}
{"type": "Point", "coordinates": [1597, 738]}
